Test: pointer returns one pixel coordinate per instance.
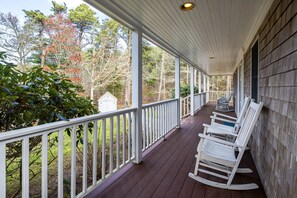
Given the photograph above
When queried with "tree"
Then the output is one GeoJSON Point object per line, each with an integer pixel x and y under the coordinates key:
{"type": "Point", "coordinates": [36, 20]}
{"type": "Point", "coordinates": [59, 8]}
{"type": "Point", "coordinates": [63, 50]}
{"type": "Point", "coordinates": [84, 18]}
{"type": "Point", "coordinates": [117, 33]}
{"type": "Point", "coordinates": [219, 83]}
{"type": "Point", "coordinates": [103, 63]}
{"type": "Point", "coordinates": [158, 73]}
{"type": "Point", "coordinates": [15, 39]}
{"type": "Point", "coordinates": [151, 60]}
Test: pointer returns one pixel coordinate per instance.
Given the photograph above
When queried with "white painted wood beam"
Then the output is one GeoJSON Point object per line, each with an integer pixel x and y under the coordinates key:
{"type": "Point", "coordinates": [137, 93]}
{"type": "Point", "coordinates": [177, 89]}
{"type": "Point", "coordinates": [204, 83]}
{"type": "Point", "coordinates": [192, 89]}
{"type": "Point", "coordinates": [199, 82]}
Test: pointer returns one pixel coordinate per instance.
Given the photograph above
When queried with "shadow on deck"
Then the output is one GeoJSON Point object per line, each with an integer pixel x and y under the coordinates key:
{"type": "Point", "coordinates": [164, 171]}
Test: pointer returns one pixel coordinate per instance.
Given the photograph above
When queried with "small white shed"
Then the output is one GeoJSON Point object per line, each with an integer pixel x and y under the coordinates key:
{"type": "Point", "coordinates": [107, 102]}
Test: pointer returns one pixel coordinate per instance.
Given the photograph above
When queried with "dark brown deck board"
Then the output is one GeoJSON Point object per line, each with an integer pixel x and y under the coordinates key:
{"type": "Point", "coordinates": [162, 163]}
{"type": "Point", "coordinates": [164, 171]}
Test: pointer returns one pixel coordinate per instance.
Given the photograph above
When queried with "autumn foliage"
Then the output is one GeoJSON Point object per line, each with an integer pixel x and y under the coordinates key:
{"type": "Point", "coordinates": [63, 50]}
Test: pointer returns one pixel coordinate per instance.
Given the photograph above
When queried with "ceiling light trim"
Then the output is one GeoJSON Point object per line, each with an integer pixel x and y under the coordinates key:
{"type": "Point", "coordinates": [187, 6]}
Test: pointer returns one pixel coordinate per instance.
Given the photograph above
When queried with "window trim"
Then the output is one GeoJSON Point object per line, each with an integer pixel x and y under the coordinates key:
{"type": "Point", "coordinates": [251, 77]}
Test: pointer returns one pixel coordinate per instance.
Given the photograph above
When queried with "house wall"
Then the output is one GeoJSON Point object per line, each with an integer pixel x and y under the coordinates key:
{"type": "Point", "coordinates": [274, 140]}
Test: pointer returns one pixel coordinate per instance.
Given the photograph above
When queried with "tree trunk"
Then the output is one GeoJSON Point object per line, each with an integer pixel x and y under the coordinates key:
{"type": "Point", "coordinates": [127, 91]}
{"type": "Point", "coordinates": [21, 63]}
{"type": "Point", "coordinates": [128, 76]}
{"type": "Point", "coordinates": [92, 89]}
{"type": "Point", "coordinates": [81, 31]}
{"type": "Point", "coordinates": [92, 94]}
{"type": "Point", "coordinates": [161, 76]}
{"type": "Point", "coordinates": [42, 48]}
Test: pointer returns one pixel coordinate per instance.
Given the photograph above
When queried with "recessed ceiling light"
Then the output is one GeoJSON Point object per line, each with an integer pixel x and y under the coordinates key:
{"type": "Point", "coordinates": [212, 57]}
{"type": "Point", "coordinates": [187, 6]}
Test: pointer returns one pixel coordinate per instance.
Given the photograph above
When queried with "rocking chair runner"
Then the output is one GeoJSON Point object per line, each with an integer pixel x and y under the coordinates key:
{"type": "Point", "coordinates": [219, 155]}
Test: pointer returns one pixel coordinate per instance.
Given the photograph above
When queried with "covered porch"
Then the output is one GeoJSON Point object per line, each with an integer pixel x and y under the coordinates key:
{"type": "Point", "coordinates": [125, 154]}
{"type": "Point", "coordinates": [163, 171]}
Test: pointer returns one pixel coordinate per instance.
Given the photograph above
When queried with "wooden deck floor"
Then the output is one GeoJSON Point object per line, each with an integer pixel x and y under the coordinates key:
{"type": "Point", "coordinates": [164, 171]}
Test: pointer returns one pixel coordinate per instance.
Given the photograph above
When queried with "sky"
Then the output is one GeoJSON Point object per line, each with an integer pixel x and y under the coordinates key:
{"type": "Point", "coordinates": [16, 6]}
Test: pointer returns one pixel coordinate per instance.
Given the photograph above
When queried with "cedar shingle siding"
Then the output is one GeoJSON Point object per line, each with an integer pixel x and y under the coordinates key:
{"type": "Point", "coordinates": [274, 141]}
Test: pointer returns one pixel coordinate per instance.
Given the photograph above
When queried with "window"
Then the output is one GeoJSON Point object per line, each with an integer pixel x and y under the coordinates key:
{"type": "Point", "coordinates": [254, 79]}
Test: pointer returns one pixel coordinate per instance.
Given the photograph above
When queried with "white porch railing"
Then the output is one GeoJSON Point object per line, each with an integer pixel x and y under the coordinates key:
{"type": "Point", "coordinates": [107, 145]}
{"type": "Point", "coordinates": [185, 109]}
{"type": "Point", "coordinates": [200, 99]}
{"type": "Point", "coordinates": [157, 120]}
{"type": "Point", "coordinates": [111, 137]}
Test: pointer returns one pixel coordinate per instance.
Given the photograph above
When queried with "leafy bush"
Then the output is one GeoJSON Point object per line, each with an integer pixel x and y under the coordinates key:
{"type": "Point", "coordinates": [38, 97]}
{"type": "Point", "coordinates": [29, 99]}
{"type": "Point", "coordinates": [185, 90]}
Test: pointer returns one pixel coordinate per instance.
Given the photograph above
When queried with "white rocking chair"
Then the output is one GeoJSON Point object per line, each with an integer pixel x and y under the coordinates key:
{"type": "Point", "coordinates": [218, 155]}
{"type": "Point", "coordinates": [222, 130]}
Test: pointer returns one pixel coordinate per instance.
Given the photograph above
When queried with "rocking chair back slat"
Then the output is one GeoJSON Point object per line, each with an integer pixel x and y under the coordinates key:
{"type": "Point", "coordinates": [242, 114]}
{"type": "Point", "coordinates": [248, 123]}
{"type": "Point", "coordinates": [243, 110]}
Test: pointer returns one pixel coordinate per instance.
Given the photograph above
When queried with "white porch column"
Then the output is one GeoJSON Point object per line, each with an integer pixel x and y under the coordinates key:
{"type": "Point", "coordinates": [195, 77]}
{"type": "Point", "coordinates": [204, 83]}
{"type": "Point", "coordinates": [208, 83]}
{"type": "Point", "coordinates": [177, 89]}
{"type": "Point", "coordinates": [137, 93]}
{"type": "Point", "coordinates": [207, 94]}
{"type": "Point", "coordinates": [199, 82]}
{"type": "Point", "coordinates": [192, 89]}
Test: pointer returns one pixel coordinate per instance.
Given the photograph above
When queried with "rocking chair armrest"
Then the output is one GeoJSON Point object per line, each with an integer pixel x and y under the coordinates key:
{"type": "Point", "coordinates": [216, 130]}
{"type": "Point", "coordinates": [219, 140]}
{"type": "Point", "coordinates": [223, 115]}
{"type": "Point", "coordinates": [222, 119]}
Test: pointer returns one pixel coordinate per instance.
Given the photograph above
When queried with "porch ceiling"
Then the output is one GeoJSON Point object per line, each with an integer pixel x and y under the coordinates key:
{"type": "Point", "coordinates": [222, 29]}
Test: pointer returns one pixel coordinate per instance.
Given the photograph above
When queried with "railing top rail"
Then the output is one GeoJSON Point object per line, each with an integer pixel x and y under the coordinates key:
{"type": "Point", "coordinates": [158, 103]}
{"type": "Point", "coordinates": [18, 133]}
{"type": "Point", "coordinates": [184, 98]}
{"type": "Point", "coordinates": [196, 94]}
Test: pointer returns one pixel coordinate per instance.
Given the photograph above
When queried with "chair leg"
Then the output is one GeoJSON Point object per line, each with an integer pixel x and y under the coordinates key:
{"type": "Point", "coordinates": [199, 148]}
